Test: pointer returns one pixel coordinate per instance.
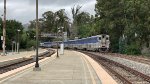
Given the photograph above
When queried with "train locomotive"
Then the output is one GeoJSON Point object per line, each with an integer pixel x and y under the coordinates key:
{"type": "Point", "coordinates": [95, 43]}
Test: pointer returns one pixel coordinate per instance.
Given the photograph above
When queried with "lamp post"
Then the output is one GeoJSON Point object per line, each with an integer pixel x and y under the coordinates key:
{"type": "Point", "coordinates": [37, 68]}
{"type": "Point", "coordinates": [34, 37]}
{"type": "Point", "coordinates": [18, 44]}
{"type": "Point", "coordinates": [62, 34]}
{"type": "Point", "coordinates": [57, 45]}
{"type": "Point", "coordinates": [34, 45]}
{"type": "Point", "coordinates": [4, 29]}
{"type": "Point", "coordinates": [15, 47]}
{"type": "Point", "coordinates": [13, 42]}
{"type": "Point", "coordinates": [56, 19]}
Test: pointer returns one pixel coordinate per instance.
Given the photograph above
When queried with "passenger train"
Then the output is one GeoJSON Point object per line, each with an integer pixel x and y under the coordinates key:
{"type": "Point", "coordinates": [94, 43]}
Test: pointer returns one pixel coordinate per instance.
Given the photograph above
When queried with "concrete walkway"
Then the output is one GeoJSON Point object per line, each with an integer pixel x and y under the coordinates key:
{"type": "Point", "coordinates": [70, 68]}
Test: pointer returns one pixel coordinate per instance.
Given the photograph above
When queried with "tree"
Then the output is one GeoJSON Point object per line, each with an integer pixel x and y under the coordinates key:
{"type": "Point", "coordinates": [85, 25]}
{"type": "Point", "coordinates": [110, 20]}
{"type": "Point", "coordinates": [75, 11]}
{"type": "Point", "coordinates": [11, 31]}
{"type": "Point", "coordinates": [124, 17]}
{"type": "Point", "coordinates": [49, 22]}
{"type": "Point", "coordinates": [63, 19]}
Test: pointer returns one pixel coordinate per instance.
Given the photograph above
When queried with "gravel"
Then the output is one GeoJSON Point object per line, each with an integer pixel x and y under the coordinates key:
{"type": "Point", "coordinates": [141, 67]}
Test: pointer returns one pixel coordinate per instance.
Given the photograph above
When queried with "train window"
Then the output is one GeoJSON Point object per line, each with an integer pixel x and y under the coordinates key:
{"type": "Point", "coordinates": [103, 36]}
{"type": "Point", "coordinates": [107, 38]}
{"type": "Point", "coordinates": [99, 38]}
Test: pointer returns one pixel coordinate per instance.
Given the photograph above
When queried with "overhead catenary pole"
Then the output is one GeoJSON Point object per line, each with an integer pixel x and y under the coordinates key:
{"type": "Point", "coordinates": [37, 68]}
{"type": "Point", "coordinates": [4, 29]}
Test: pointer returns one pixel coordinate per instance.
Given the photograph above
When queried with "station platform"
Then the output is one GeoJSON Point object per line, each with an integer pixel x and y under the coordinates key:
{"type": "Point", "coordinates": [70, 68]}
{"type": "Point", "coordinates": [12, 56]}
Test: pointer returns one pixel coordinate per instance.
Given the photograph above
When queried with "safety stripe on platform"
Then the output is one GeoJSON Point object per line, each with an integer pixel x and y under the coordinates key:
{"type": "Point", "coordinates": [91, 74]}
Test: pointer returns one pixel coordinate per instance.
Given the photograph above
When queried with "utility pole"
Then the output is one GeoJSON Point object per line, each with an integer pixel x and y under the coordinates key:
{"type": "Point", "coordinates": [4, 29]}
{"type": "Point", "coordinates": [37, 68]}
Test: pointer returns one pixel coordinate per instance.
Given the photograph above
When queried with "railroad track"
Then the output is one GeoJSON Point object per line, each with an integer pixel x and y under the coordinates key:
{"type": "Point", "coordinates": [124, 73]}
{"type": "Point", "coordinates": [140, 59]}
{"type": "Point", "coordinates": [24, 62]}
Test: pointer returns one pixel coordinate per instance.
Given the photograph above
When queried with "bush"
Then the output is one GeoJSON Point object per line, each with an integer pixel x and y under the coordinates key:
{"type": "Point", "coordinates": [132, 50]}
{"type": "Point", "coordinates": [30, 43]}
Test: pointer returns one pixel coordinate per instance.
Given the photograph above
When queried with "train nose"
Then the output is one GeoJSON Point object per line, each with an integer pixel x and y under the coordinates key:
{"type": "Point", "coordinates": [104, 49]}
{"type": "Point", "coordinates": [103, 46]}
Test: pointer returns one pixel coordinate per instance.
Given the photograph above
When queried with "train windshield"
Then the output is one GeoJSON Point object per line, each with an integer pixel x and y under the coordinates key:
{"type": "Point", "coordinates": [99, 38]}
{"type": "Point", "coordinates": [107, 38]}
{"type": "Point", "coordinates": [103, 36]}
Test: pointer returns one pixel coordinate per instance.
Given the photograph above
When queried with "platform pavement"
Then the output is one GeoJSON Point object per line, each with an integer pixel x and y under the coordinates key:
{"type": "Point", "coordinates": [70, 68]}
{"type": "Point", "coordinates": [11, 56]}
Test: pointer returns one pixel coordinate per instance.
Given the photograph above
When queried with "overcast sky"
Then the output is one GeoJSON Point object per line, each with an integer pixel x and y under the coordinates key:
{"type": "Point", "coordinates": [24, 10]}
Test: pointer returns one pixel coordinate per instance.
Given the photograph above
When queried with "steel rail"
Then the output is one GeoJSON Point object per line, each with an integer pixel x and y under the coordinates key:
{"type": "Point", "coordinates": [126, 81]}
{"type": "Point", "coordinates": [24, 62]}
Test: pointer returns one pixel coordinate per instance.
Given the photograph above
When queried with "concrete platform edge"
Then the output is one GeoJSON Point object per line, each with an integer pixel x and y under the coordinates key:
{"type": "Point", "coordinates": [101, 73]}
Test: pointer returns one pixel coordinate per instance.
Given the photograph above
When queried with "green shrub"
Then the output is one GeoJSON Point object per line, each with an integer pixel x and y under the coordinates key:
{"type": "Point", "coordinates": [132, 50]}
{"type": "Point", "coordinates": [30, 43]}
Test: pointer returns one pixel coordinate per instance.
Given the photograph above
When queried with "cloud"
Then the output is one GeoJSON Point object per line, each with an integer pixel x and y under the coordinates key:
{"type": "Point", "coordinates": [24, 10]}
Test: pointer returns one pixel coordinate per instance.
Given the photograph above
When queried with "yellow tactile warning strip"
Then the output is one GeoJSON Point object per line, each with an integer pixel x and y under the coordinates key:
{"type": "Point", "coordinates": [85, 74]}
{"type": "Point", "coordinates": [92, 77]}
{"type": "Point", "coordinates": [102, 74]}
